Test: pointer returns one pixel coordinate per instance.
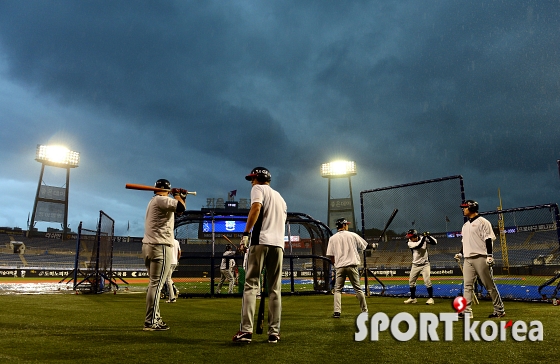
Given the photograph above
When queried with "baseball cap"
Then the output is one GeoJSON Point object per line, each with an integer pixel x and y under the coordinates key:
{"type": "Point", "coordinates": [341, 222]}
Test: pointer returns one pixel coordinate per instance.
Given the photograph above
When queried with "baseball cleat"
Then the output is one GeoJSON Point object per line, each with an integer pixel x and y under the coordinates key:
{"type": "Point", "coordinates": [171, 301]}
{"type": "Point", "coordinates": [243, 337]}
{"type": "Point", "coordinates": [336, 315]}
{"type": "Point", "coordinates": [462, 315]}
{"type": "Point", "coordinates": [156, 327]}
{"type": "Point", "coordinates": [430, 301]}
{"type": "Point", "coordinates": [497, 314]}
{"type": "Point", "coordinates": [273, 338]}
{"type": "Point", "coordinates": [411, 300]}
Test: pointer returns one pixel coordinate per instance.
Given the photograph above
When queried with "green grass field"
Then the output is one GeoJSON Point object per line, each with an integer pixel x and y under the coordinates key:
{"type": "Point", "coordinates": [107, 328]}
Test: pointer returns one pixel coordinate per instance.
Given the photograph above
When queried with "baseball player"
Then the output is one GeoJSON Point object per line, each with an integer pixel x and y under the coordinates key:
{"type": "Point", "coordinates": [226, 269]}
{"type": "Point", "coordinates": [478, 238]}
{"type": "Point", "coordinates": [343, 249]}
{"type": "Point", "coordinates": [267, 220]}
{"type": "Point", "coordinates": [157, 247]}
{"type": "Point", "coordinates": [174, 260]}
{"type": "Point", "coordinates": [420, 264]}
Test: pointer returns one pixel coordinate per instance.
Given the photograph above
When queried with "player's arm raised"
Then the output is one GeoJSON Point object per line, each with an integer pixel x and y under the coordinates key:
{"type": "Point", "coordinates": [428, 238]}
{"type": "Point", "coordinates": [180, 197]}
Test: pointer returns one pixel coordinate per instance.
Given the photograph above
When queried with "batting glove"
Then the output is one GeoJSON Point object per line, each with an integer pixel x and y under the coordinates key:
{"type": "Point", "coordinates": [175, 191]}
{"type": "Point", "coordinates": [458, 256]}
{"type": "Point", "coordinates": [183, 193]}
{"type": "Point", "coordinates": [244, 240]}
{"type": "Point", "coordinates": [490, 260]}
{"type": "Point", "coordinates": [427, 233]}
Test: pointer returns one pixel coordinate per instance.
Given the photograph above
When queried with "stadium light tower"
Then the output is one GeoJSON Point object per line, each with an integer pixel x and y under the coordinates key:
{"type": "Point", "coordinates": [340, 207]}
{"type": "Point", "coordinates": [51, 203]}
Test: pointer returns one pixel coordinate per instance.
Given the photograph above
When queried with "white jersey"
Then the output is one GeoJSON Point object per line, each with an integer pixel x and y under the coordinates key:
{"type": "Point", "coordinates": [475, 232]}
{"type": "Point", "coordinates": [344, 246]}
{"type": "Point", "coordinates": [224, 264]}
{"type": "Point", "coordinates": [271, 223]}
{"type": "Point", "coordinates": [420, 250]}
{"type": "Point", "coordinates": [160, 221]}
{"type": "Point", "coordinates": [176, 252]}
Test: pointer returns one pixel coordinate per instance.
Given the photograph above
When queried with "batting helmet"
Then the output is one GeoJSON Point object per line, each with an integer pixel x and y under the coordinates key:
{"type": "Point", "coordinates": [341, 222]}
{"type": "Point", "coordinates": [260, 173]}
{"type": "Point", "coordinates": [228, 247]}
{"type": "Point", "coordinates": [163, 183]}
{"type": "Point", "coordinates": [411, 233]}
{"type": "Point", "coordinates": [471, 205]}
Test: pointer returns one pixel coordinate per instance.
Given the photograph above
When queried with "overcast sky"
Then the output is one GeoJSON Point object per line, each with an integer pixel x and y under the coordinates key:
{"type": "Point", "coordinates": [200, 92]}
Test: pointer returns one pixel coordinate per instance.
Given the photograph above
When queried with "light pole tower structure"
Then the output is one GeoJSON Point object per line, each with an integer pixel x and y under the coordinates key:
{"type": "Point", "coordinates": [51, 203]}
{"type": "Point", "coordinates": [340, 207]}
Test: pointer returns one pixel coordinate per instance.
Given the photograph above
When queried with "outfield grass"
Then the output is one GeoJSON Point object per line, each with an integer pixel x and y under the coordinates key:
{"type": "Point", "coordinates": [107, 328]}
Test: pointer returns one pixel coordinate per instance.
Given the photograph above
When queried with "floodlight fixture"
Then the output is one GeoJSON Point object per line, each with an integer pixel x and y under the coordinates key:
{"type": "Point", "coordinates": [57, 156]}
{"type": "Point", "coordinates": [340, 207]}
{"type": "Point", "coordinates": [49, 206]}
{"type": "Point", "coordinates": [338, 168]}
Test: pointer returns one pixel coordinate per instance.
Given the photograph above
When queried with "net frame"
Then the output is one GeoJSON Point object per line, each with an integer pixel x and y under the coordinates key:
{"type": "Point", "coordinates": [97, 262]}
{"type": "Point", "coordinates": [442, 195]}
{"type": "Point", "coordinates": [303, 260]}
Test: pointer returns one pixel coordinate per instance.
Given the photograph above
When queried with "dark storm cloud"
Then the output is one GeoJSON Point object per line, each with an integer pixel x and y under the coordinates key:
{"type": "Point", "coordinates": [161, 65]}
{"type": "Point", "coordinates": [476, 75]}
{"type": "Point", "coordinates": [410, 90]}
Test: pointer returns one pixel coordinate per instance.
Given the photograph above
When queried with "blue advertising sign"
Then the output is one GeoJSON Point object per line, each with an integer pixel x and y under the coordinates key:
{"type": "Point", "coordinates": [222, 225]}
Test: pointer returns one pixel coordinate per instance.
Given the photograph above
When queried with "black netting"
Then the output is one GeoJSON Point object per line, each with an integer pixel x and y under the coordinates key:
{"type": "Point", "coordinates": [94, 256]}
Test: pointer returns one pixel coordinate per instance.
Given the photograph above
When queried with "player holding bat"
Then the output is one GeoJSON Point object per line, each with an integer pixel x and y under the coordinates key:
{"type": "Point", "coordinates": [267, 220]}
{"type": "Point", "coordinates": [157, 246]}
{"type": "Point", "coordinates": [226, 269]}
{"type": "Point", "coordinates": [420, 264]}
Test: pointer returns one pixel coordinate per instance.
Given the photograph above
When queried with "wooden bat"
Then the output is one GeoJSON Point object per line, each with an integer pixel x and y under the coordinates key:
{"type": "Point", "coordinates": [387, 225]}
{"type": "Point", "coordinates": [229, 241]}
{"type": "Point", "coordinates": [134, 186]}
{"type": "Point", "coordinates": [260, 315]}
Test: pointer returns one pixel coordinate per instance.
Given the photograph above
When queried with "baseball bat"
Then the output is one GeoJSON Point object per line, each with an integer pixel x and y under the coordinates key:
{"type": "Point", "coordinates": [387, 225]}
{"type": "Point", "coordinates": [134, 186]}
{"type": "Point", "coordinates": [229, 241]}
{"type": "Point", "coordinates": [260, 315]}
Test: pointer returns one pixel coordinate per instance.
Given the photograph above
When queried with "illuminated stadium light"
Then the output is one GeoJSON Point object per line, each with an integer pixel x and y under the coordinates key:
{"type": "Point", "coordinates": [340, 207]}
{"type": "Point", "coordinates": [57, 155]}
{"type": "Point", "coordinates": [338, 169]}
{"type": "Point", "coordinates": [51, 202]}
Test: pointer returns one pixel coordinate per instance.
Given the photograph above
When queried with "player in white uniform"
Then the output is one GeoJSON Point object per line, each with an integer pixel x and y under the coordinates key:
{"type": "Point", "coordinates": [344, 250]}
{"type": "Point", "coordinates": [157, 246]}
{"type": "Point", "coordinates": [267, 220]}
{"type": "Point", "coordinates": [226, 269]}
{"type": "Point", "coordinates": [478, 238]}
{"type": "Point", "coordinates": [420, 264]}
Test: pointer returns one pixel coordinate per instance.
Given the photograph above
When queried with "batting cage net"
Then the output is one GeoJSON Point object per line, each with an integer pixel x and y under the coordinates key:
{"type": "Point", "coordinates": [430, 205]}
{"type": "Point", "coordinates": [526, 250]}
{"type": "Point", "coordinates": [94, 256]}
{"type": "Point", "coordinates": [204, 235]}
